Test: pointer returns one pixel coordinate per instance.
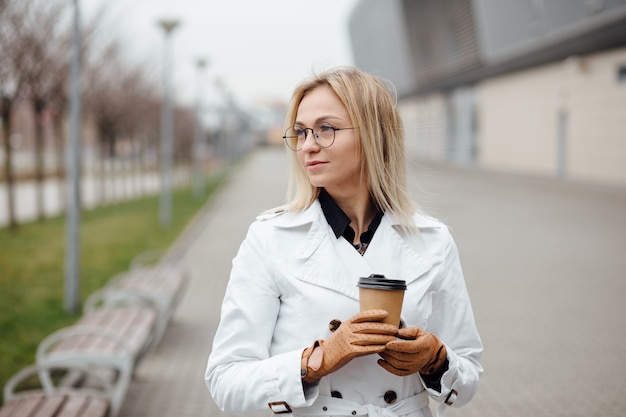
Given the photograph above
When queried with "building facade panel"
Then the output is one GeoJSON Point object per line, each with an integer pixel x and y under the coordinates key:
{"type": "Point", "coordinates": [461, 125]}
{"type": "Point", "coordinates": [561, 119]}
{"type": "Point", "coordinates": [380, 43]}
{"type": "Point", "coordinates": [424, 120]}
{"type": "Point", "coordinates": [534, 87]}
{"type": "Point", "coordinates": [596, 100]}
{"type": "Point", "coordinates": [511, 29]}
{"type": "Point", "coordinates": [502, 25]}
{"type": "Point", "coordinates": [442, 37]}
{"type": "Point", "coordinates": [518, 121]}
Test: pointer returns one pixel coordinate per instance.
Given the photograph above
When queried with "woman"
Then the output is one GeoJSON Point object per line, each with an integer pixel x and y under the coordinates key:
{"type": "Point", "coordinates": [291, 336]}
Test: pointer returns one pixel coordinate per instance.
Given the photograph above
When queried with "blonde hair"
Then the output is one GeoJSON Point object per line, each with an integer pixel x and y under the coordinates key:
{"type": "Point", "coordinates": [372, 109]}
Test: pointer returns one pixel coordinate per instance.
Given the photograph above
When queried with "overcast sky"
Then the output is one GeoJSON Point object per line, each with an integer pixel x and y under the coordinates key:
{"type": "Point", "coordinates": [260, 48]}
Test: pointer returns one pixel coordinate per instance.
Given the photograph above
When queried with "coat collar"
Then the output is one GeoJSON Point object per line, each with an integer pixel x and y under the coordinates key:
{"type": "Point", "coordinates": [408, 249]}
{"type": "Point", "coordinates": [288, 219]}
{"type": "Point", "coordinates": [312, 217]}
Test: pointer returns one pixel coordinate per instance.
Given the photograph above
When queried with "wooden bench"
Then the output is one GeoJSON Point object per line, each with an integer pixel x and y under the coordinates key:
{"type": "Point", "coordinates": [162, 284]}
{"type": "Point", "coordinates": [41, 405]}
{"type": "Point", "coordinates": [109, 340]}
{"type": "Point", "coordinates": [114, 323]}
{"type": "Point", "coordinates": [26, 396]}
{"type": "Point", "coordinates": [98, 355]}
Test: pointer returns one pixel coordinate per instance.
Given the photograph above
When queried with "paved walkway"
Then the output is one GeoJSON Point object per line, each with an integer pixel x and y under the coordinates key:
{"type": "Point", "coordinates": [545, 266]}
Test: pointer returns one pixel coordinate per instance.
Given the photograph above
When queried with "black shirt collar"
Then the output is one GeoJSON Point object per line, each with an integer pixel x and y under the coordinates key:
{"type": "Point", "coordinates": [336, 218]}
{"type": "Point", "coordinates": [340, 222]}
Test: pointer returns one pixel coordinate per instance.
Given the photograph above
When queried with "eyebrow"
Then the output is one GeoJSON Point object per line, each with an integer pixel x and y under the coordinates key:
{"type": "Point", "coordinates": [319, 120]}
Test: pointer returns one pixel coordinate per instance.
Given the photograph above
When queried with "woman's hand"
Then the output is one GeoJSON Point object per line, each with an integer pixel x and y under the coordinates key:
{"type": "Point", "coordinates": [362, 334]}
{"type": "Point", "coordinates": [419, 351]}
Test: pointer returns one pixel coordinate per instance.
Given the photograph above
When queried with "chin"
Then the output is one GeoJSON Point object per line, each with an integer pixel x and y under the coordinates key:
{"type": "Point", "coordinates": [316, 182]}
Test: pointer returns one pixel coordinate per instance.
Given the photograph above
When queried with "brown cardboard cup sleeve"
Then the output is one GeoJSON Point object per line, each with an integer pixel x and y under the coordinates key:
{"type": "Point", "coordinates": [376, 291]}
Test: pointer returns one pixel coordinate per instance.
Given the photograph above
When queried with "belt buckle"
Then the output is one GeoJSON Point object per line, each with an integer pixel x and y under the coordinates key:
{"type": "Point", "coordinates": [285, 407]}
{"type": "Point", "coordinates": [451, 397]}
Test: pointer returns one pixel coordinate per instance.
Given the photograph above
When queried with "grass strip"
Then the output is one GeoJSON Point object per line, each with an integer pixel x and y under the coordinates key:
{"type": "Point", "coordinates": [32, 265]}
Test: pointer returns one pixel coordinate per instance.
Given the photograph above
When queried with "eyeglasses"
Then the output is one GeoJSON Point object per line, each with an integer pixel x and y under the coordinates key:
{"type": "Point", "coordinates": [323, 135]}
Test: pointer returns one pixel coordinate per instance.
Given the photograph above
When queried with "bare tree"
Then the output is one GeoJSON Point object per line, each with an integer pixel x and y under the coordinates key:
{"type": "Point", "coordinates": [46, 79]}
{"type": "Point", "coordinates": [15, 58]}
{"type": "Point", "coordinates": [101, 103]}
{"type": "Point", "coordinates": [34, 44]}
{"type": "Point", "coordinates": [141, 116]}
{"type": "Point", "coordinates": [124, 105]}
{"type": "Point", "coordinates": [47, 46]}
{"type": "Point", "coordinates": [185, 119]}
{"type": "Point", "coordinates": [122, 101]}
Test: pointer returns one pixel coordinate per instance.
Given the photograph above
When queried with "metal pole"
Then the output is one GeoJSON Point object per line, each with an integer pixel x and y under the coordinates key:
{"type": "Point", "coordinates": [198, 148]}
{"type": "Point", "coordinates": [167, 129]}
{"type": "Point", "coordinates": [72, 254]}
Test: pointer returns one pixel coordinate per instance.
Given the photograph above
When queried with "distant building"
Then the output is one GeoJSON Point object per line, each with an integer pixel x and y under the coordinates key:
{"type": "Point", "coordinates": [534, 87]}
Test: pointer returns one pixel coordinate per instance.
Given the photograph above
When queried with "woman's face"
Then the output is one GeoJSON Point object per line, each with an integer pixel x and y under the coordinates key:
{"type": "Point", "coordinates": [336, 168]}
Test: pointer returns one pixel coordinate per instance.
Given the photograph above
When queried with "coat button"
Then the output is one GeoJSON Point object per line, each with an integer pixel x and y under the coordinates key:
{"type": "Point", "coordinates": [336, 394]}
{"type": "Point", "coordinates": [390, 397]}
{"type": "Point", "coordinates": [334, 324]}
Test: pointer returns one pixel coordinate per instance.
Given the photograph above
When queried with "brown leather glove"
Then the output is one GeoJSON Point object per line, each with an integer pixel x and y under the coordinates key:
{"type": "Point", "coordinates": [362, 334]}
{"type": "Point", "coordinates": [420, 351]}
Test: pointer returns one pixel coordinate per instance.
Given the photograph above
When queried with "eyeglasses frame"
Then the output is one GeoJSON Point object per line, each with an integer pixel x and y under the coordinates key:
{"type": "Point", "coordinates": [315, 136]}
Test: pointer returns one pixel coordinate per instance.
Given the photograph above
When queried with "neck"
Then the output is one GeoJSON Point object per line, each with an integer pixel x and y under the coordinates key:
{"type": "Point", "coordinates": [359, 208]}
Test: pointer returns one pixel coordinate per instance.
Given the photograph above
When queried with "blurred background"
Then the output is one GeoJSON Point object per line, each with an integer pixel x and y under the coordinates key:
{"type": "Point", "coordinates": [226, 69]}
{"type": "Point", "coordinates": [515, 125]}
{"type": "Point", "coordinates": [532, 87]}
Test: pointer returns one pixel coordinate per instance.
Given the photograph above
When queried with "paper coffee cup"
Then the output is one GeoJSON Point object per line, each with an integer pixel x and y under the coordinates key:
{"type": "Point", "coordinates": [376, 292]}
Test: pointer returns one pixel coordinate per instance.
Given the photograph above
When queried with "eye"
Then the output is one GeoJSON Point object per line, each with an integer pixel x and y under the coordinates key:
{"type": "Point", "coordinates": [299, 131]}
{"type": "Point", "coordinates": [326, 128]}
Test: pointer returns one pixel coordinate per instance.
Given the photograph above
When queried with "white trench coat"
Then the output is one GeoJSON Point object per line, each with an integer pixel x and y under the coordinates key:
{"type": "Point", "coordinates": [292, 276]}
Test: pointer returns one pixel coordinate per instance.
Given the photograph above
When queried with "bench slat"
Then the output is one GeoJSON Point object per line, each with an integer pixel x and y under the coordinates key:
{"type": "Point", "coordinates": [132, 323]}
{"type": "Point", "coordinates": [96, 407]}
{"type": "Point", "coordinates": [23, 407]}
{"type": "Point", "coordinates": [41, 405]}
{"type": "Point", "coordinates": [162, 279]}
{"type": "Point", "coordinates": [73, 406]}
{"type": "Point", "coordinates": [49, 406]}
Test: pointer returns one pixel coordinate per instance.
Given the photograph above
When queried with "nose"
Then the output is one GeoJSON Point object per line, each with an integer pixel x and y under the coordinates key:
{"type": "Point", "coordinates": [309, 143]}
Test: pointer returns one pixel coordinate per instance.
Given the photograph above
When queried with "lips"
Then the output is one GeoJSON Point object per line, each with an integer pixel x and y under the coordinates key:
{"type": "Point", "coordinates": [312, 164]}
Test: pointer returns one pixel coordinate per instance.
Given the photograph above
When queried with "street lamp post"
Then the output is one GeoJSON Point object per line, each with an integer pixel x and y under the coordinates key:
{"type": "Point", "coordinates": [198, 146]}
{"type": "Point", "coordinates": [72, 224]}
{"type": "Point", "coordinates": [167, 128]}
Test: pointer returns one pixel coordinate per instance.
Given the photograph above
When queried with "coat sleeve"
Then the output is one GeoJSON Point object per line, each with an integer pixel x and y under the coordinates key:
{"type": "Point", "coordinates": [452, 319]}
{"type": "Point", "coordinates": [240, 374]}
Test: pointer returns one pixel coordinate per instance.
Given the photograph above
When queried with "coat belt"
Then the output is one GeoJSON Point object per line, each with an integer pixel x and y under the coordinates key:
{"type": "Point", "coordinates": [330, 406]}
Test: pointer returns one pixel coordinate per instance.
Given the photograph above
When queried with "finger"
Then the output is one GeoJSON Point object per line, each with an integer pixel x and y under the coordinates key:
{"type": "Point", "coordinates": [369, 315]}
{"type": "Point", "coordinates": [371, 339]}
{"type": "Point", "coordinates": [375, 328]}
{"type": "Point", "coordinates": [405, 346]}
{"type": "Point", "coordinates": [390, 368]}
{"type": "Point", "coordinates": [400, 363]}
{"type": "Point", "coordinates": [409, 333]}
{"type": "Point", "coordinates": [394, 356]}
{"type": "Point", "coordinates": [368, 349]}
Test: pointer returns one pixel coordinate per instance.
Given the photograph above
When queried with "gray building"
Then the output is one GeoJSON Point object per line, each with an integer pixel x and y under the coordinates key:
{"type": "Point", "coordinates": [470, 72]}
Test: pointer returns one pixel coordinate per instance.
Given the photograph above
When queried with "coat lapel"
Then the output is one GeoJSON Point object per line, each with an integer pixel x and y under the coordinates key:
{"type": "Point", "coordinates": [396, 254]}
{"type": "Point", "coordinates": [333, 264]}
